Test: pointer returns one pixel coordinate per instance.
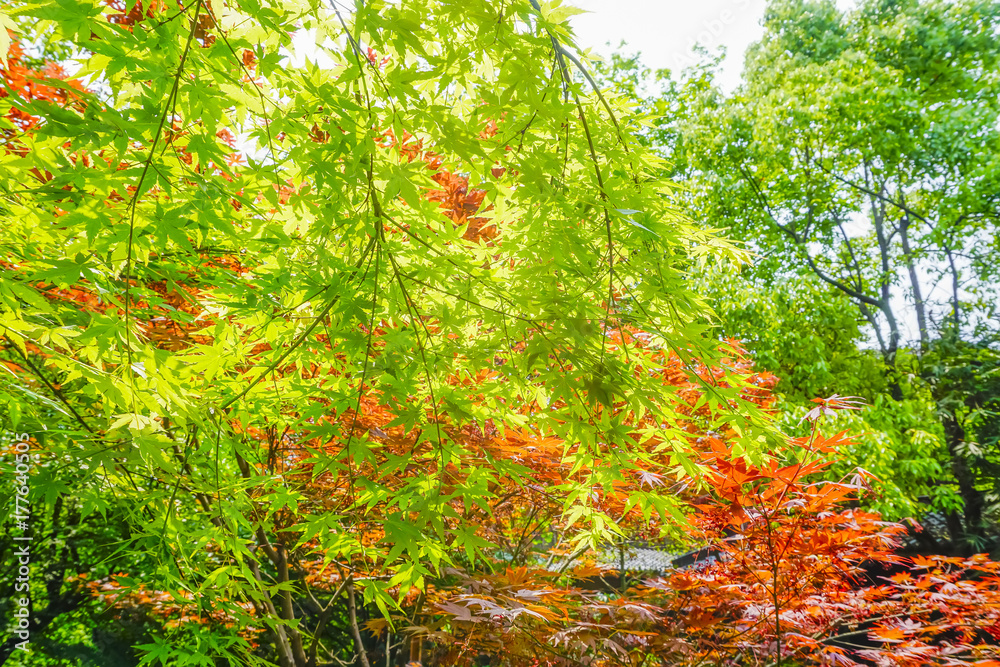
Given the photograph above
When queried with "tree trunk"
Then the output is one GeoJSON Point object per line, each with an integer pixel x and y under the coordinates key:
{"type": "Point", "coordinates": [955, 303]}
{"type": "Point", "coordinates": [352, 611]}
{"type": "Point", "coordinates": [918, 298]}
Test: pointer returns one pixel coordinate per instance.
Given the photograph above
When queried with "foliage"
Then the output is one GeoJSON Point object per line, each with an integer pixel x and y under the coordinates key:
{"type": "Point", "coordinates": [964, 381]}
{"type": "Point", "coordinates": [351, 350]}
{"type": "Point", "coordinates": [783, 580]}
{"type": "Point", "coordinates": [858, 159]}
{"type": "Point", "coordinates": [789, 572]}
{"type": "Point", "coordinates": [221, 261]}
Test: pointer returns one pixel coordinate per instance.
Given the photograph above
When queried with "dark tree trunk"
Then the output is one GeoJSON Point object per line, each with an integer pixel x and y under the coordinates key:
{"type": "Point", "coordinates": [966, 536]}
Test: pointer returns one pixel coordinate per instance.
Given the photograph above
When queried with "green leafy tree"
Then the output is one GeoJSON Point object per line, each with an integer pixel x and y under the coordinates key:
{"type": "Point", "coordinates": [860, 160]}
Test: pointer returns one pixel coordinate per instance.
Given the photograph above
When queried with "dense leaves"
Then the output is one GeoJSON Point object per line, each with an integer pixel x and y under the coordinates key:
{"type": "Point", "coordinates": [368, 335]}
{"type": "Point", "coordinates": [221, 259]}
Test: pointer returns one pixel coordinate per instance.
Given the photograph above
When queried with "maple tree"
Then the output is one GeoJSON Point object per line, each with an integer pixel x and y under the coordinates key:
{"type": "Point", "coordinates": [787, 579]}
{"type": "Point", "coordinates": [385, 352]}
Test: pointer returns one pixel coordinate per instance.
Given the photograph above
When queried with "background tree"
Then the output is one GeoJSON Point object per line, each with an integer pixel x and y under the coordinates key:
{"type": "Point", "coordinates": [859, 159]}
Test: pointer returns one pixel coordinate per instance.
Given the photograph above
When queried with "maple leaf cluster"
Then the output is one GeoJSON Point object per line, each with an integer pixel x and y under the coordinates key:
{"type": "Point", "coordinates": [47, 83]}
{"type": "Point", "coordinates": [129, 599]}
{"type": "Point", "coordinates": [790, 570]}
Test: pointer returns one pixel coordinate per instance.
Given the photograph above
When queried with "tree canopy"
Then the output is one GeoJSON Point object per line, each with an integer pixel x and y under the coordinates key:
{"type": "Point", "coordinates": [342, 334]}
{"type": "Point", "coordinates": [858, 159]}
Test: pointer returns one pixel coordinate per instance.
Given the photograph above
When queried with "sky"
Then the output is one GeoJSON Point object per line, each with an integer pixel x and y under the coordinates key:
{"type": "Point", "coordinates": [664, 31]}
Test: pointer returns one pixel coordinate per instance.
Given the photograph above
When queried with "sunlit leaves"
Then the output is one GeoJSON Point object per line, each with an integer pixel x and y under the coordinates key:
{"type": "Point", "coordinates": [378, 290]}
